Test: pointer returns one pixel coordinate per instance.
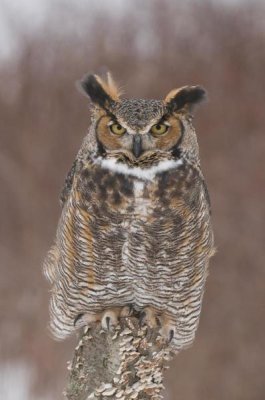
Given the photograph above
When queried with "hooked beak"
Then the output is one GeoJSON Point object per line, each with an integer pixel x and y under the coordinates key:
{"type": "Point", "coordinates": [137, 145]}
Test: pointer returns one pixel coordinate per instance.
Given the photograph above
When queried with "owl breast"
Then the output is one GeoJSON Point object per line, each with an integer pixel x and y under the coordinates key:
{"type": "Point", "coordinates": [143, 235]}
{"type": "Point", "coordinates": [133, 237]}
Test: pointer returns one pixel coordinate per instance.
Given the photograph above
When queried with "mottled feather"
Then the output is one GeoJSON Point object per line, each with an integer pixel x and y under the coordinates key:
{"type": "Point", "coordinates": [134, 231]}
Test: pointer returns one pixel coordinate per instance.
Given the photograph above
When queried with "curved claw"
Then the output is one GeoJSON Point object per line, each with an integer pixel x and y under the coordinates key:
{"type": "Point", "coordinates": [83, 319]}
{"type": "Point", "coordinates": [167, 331]}
{"type": "Point", "coordinates": [171, 335]}
{"type": "Point", "coordinates": [148, 316]}
{"type": "Point", "coordinates": [127, 311]}
{"type": "Point", "coordinates": [142, 319]}
{"type": "Point", "coordinates": [108, 323]}
{"type": "Point", "coordinates": [110, 318]}
{"type": "Point", "coordinates": [77, 318]}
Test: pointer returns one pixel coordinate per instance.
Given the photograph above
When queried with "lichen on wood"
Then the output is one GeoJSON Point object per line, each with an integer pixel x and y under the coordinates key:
{"type": "Point", "coordinates": [126, 363]}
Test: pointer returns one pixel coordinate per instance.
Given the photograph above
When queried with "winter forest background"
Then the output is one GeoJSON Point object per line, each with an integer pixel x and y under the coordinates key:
{"type": "Point", "coordinates": [151, 47]}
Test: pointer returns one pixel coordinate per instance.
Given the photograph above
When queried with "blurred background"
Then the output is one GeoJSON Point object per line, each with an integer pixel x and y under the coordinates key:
{"type": "Point", "coordinates": [151, 47]}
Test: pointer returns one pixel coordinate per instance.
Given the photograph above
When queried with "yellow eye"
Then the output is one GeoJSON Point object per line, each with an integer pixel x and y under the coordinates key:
{"type": "Point", "coordinates": [159, 129]}
{"type": "Point", "coordinates": [117, 129]}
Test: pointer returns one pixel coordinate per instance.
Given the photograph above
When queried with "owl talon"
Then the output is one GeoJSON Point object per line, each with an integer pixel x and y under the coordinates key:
{"type": "Point", "coordinates": [142, 319]}
{"type": "Point", "coordinates": [126, 311]}
{"type": "Point", "coordinates": [148, 317]}
{"type": "Point", "coordinates": [110, 319]}
{"type": "Point", "coordinates": [77, 318]}
{"type": "Point", "coordinates": [171, 335]}
{"type": "Point", "coordinates": [167, 332]}
{"type": "Point", "coordinates": [108, 323]}
{"type": "Point", "coordinates": [158, 321]}
{"type": "Point", "coordinates": [83, 319]}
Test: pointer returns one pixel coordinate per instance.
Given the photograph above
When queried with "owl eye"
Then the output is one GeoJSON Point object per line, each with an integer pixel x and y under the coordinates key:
{"type": "Point", "coordinates": [117, 129]}
{"type": "Point", "coordinates": [158, 129]}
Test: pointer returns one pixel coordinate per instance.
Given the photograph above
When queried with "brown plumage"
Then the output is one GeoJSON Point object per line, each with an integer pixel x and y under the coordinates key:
{"type": "Point", "coordinates": [135, 231]}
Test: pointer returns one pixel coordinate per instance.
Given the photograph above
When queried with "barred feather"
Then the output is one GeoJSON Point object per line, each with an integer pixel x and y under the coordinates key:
{"type": "Point", "coordinates": [132, 241]}
{"type": "Point", "coordinates": [133, 233]}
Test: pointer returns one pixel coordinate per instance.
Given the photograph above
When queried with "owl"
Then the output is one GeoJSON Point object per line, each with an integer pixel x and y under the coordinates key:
{"type": "Point", "coordinates": [135, 233]}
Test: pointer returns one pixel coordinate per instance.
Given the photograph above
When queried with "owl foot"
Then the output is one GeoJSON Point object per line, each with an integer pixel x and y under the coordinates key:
{"type": "Point", "coordinates": [168, 329]}
{"type": "Point", "coordinates": [86, 319]}
{"type": "Point", "coordinates": [126, 311]}
{"type": "Point", "coordinates": [149, 317]}
{"type": "Point", "coordinates": [110, 318]}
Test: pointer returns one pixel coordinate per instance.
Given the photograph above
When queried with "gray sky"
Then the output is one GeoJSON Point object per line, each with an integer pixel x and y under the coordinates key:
{"type": "Point", "coordinates": [30, 14]}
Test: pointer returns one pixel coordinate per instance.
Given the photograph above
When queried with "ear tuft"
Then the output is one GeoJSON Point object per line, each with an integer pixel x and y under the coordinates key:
{"type": "Point", "coordinates": [101, 92]}
{"type": "Point", "coordinates": [185, 97]}
{"type": "Point", "coordinates": [111, 87]}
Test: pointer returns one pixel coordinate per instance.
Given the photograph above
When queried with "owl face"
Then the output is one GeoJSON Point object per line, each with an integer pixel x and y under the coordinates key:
{"type": "Point", "coordinates": [139, 127]}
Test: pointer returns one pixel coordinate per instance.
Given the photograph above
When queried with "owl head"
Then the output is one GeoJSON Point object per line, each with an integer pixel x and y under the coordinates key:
{"type": "Point", "coordinates": [137, 129]}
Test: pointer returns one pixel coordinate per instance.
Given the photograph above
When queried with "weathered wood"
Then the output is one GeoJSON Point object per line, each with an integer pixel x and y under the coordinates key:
{"type": "Point", "coordinates": [124, 364]}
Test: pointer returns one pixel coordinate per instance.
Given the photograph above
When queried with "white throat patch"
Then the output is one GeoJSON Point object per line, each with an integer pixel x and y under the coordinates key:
{"type": "Point", "coordinates": [141, 173]}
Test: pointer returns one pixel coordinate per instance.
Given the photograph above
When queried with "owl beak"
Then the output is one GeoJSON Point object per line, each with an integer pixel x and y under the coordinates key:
{"type": "Point", "coordinates": [137, 145]}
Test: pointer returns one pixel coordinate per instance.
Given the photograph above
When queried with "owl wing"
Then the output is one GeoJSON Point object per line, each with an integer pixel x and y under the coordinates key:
{"type": "Point", "coordinates": [50, 264]}
{"type": "Point", "coordinates": [207, 195]}
{"type": "Point", "coordinates": [69, 181]}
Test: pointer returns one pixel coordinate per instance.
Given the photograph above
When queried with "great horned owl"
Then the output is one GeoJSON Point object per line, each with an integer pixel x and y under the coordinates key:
{"type": "Point", "coordinates": [135, 230]}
